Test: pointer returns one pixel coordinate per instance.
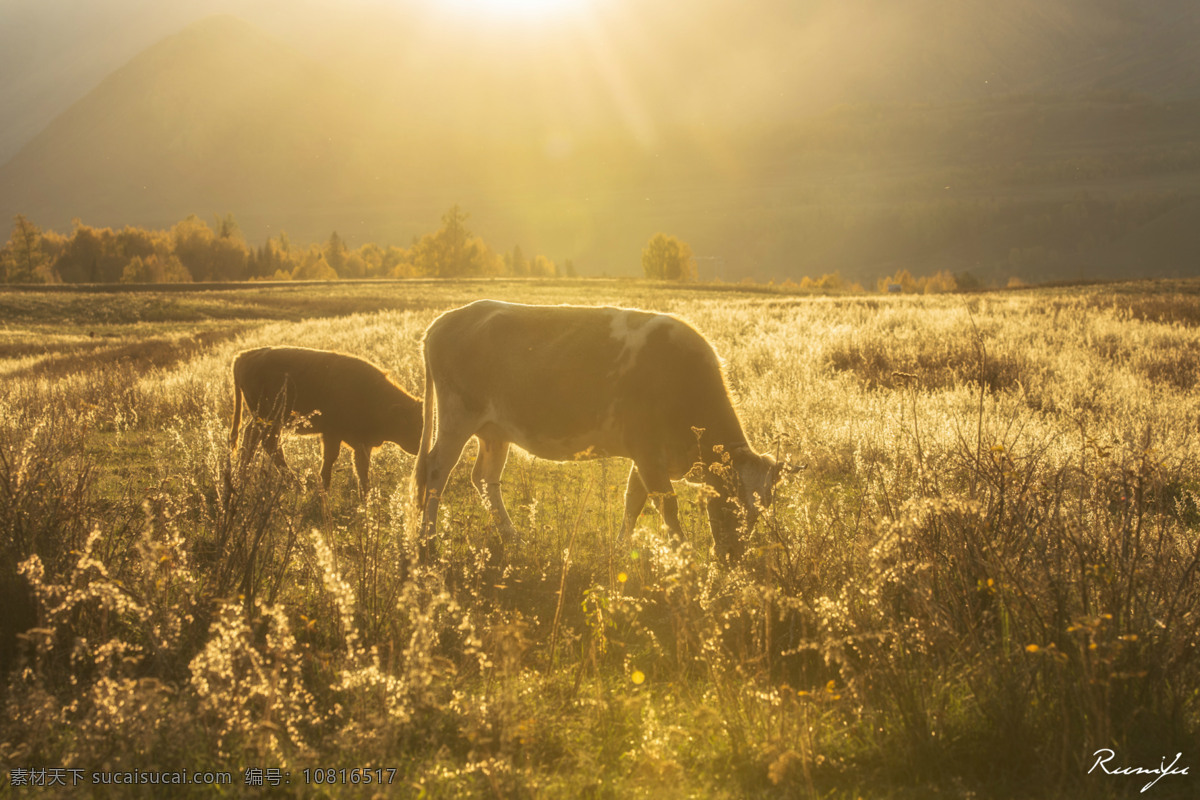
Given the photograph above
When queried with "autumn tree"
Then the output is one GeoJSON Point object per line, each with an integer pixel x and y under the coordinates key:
{"type": "Point", "coordinates": [23, 260]}
{"type": "Point", "coordinates": [335, 254]}
{"type": "Point", "coordinates": [227, 228]}
{"type": "Point", "coordinates": [155, 269]}
{"type": "Point", "coordinates": [131, 242]}
{"type": "Point", "coordinates": [209, 255]}
{"type": "Point", "coordinates": [92, 255]}
{"type": "Point", "coordinates": [942, 281]}
{"type": "Point", "coordinates": [452, 251]}
{"type": "Point", "coordinates": [193, 245]}
{"type": "Point", "coordinates": [138, 270]}
{"type": "Point", "coordinates": [397, 263]}
{"type": "Point", "coordinates": [354, 266]}
{"type": "Point", "coordinates": [229, 259]}
{"type": "Point", "coordinates": [667, 258]}
{"type": "Point", "coordinates": [230, 252]}
{"type": "Point", "coordinates": [829, 282]}
{"type": "Point", "coordinates": [53, 245]}
{"type": "Point", "coordinates": [372, 256]}
{"type": "Point", "coordinates": [515, 263]}
{"type": "Point", "coordinates": [542, 267]}
{"type": "Point", "coordinates": [903, 278]}
{"type": "Point", "coordinates": [314, 267]}
{"type": "Point", "coordinates": [268, 258]}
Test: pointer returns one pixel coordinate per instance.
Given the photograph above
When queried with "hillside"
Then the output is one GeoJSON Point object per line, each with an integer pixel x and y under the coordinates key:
{"type": "Point", "coordinates": [54, 52]}
{"type": "Point", "coordinates": [215, 115]}
{"type": "Point", "coordinates": [806, 138]}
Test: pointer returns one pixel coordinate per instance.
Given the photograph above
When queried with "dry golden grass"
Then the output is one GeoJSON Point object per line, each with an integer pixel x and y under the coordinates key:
{"type": "Point", "coordinates": [987, 571]}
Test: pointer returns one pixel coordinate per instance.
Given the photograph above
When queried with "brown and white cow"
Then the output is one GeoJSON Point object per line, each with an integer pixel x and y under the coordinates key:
{"type": "Point", "coordinates": [343, 398]}
{"type": "Point", "coordinates": [569, 382]}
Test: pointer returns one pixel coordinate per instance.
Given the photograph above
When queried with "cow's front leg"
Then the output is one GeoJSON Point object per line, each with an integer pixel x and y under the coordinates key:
{"type": "Point", "coordinates": [658, 486]}
{"type": "Point", "coordinates": [489, 466]}
{"type": "Point", "coordinates": [635, 501]}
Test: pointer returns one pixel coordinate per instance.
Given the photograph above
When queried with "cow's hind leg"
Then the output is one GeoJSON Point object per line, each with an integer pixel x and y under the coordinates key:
{"type": "Point", "coordinates": [434, 471]}
{"type": "Point", "coordinates": [489, 466]}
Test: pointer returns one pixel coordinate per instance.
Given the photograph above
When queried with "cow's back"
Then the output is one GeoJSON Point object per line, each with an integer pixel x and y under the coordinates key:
{"type": "Point", "coordinates": [530, 357]}
{"type": "Point", "coordinates": [559, 380]}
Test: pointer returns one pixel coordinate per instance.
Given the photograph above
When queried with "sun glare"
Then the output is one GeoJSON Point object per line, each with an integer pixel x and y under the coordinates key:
{"type": "Point", "coordinates": [517, 9]}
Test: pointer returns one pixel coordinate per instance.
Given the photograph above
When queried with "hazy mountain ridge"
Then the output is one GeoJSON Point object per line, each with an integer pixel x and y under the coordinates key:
{"type": "Point", "coordinates": [718, 138]}
{"type": "Point", "coordinates": [216, 104]}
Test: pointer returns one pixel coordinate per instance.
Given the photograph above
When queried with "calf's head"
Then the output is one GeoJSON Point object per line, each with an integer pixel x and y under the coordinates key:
{"type": "Point", "coordinates": [403, 424]}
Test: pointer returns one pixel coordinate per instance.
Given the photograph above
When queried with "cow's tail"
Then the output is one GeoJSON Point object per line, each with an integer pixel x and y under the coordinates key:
{"type": "Point", "coordinates": [428, 421]}
{"type": "Point", "coordinates": [237, 407]}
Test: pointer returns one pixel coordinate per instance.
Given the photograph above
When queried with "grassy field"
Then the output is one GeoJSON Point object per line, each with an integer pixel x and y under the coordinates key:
{"type": "Point", "coordinates": [987, 572]}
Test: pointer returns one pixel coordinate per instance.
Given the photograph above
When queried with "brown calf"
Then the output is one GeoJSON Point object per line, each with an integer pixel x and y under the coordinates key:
{"type": "Point", "coordinates": [343, 398]}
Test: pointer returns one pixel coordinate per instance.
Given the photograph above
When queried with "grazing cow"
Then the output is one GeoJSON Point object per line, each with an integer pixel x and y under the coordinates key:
{"type": "Point", "coordinates": [569, 382]}
{"type": "Point", "coordinates": [343, 398]}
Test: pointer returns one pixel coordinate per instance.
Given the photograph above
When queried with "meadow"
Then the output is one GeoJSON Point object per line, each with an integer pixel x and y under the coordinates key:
{"type": "Point", "coordinates": [985, 573]}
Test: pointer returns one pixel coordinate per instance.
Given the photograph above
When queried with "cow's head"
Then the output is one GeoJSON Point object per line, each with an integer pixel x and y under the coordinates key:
{"type": "Point", "coordinates": [743, 484]}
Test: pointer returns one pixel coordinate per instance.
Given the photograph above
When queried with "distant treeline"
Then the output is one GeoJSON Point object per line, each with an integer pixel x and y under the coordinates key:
{"type": "Point", "coordinates": [902, 282]}
{"type": "Point", "coordinates": [193, 250]}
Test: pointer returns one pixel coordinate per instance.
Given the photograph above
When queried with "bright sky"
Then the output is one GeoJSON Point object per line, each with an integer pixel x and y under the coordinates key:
{"type": "Point", "coordinates": [517, 10]}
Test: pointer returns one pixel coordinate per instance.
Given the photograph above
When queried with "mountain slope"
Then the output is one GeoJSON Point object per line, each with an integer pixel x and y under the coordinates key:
{"type": "Point", "coordinates": [861, 135]}
{"type": "Point", "coordinates": [218, 114]}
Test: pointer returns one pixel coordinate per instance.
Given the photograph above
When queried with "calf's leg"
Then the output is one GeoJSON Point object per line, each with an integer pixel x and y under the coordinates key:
{"type": "Point", "coordinates": [362, 462]}
{"type": "Point", "coordinates": [271, 445]}
{"type": "Point", "coordinates": [330, 448]}
{"type": "Point", "coordinates": [250, 439]}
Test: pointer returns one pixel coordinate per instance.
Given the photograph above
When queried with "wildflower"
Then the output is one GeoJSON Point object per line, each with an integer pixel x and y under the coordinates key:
{"type": "Point", "coordinates": [638, 677]}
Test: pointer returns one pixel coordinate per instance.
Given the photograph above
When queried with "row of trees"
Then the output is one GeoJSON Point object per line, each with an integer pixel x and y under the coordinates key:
{"type": "Point", "coordinates": [193, 250]}
{"type": "Point", "coordinates": [938, 283]}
